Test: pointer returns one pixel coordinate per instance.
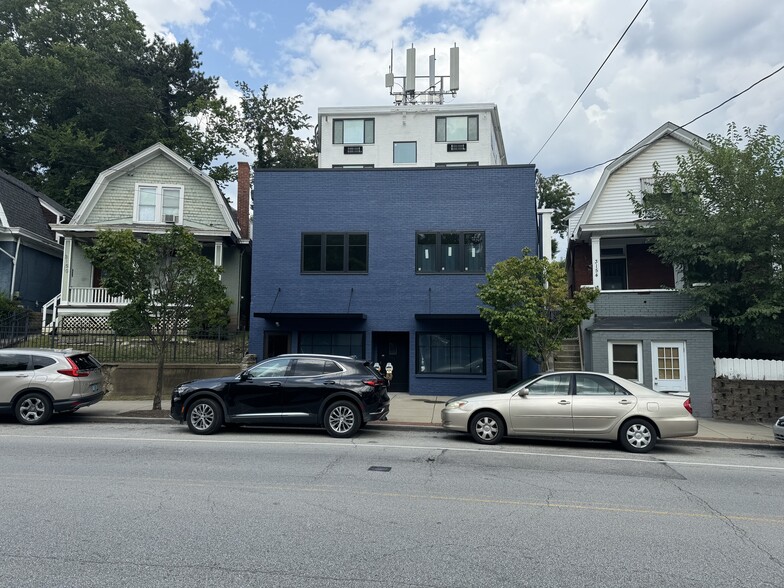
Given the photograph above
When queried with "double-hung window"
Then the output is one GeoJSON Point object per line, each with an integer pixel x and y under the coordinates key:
{"type": "Point", "coordinates": [625, 359]}
{"type": "Point", "coordinates": [157, 203]}
{"type": "Point", "coordinates": [457, 128]}
{"type": "Point", "coordinates": [450, 252]}
{"type": "Point", "coordinates": [353, 131]}
{"type": "Point", "coordinates": [334, 253]}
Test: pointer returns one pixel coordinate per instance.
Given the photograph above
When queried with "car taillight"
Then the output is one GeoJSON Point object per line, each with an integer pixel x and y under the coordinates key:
{"type": "Point", "coordinates": [687, 405]}
{"type": "Point", "coordinates": [74, 372]}
{"type": "Point", "coordinates": [374, 383]}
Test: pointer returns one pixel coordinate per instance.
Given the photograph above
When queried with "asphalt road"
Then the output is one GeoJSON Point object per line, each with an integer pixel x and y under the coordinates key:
{"type": "Point", "coordinates": [151, 505]}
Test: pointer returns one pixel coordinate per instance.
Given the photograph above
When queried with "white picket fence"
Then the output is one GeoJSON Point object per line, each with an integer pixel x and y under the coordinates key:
{"type": "Point", "coordinates": [749, 369]}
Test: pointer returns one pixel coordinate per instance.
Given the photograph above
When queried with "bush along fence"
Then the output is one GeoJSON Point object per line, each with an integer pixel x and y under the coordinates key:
{"type": "Point", "coordinates": [215, 346]}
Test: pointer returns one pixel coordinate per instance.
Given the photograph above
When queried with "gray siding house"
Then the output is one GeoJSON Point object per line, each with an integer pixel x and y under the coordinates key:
{"type": "Point", "coordinates": [148, 193]}
{"type": "Point", "coordinates": [636, 331]}
{"type": "Point", "coordinates": [30, 253]}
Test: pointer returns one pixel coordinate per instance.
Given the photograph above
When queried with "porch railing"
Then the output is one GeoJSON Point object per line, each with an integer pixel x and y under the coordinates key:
{"type": "Point", "coordinates": [94, 296]}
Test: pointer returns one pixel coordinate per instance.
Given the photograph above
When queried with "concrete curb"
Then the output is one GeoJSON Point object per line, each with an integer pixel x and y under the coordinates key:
{"type": "Point", "coordinates": [406, 426]}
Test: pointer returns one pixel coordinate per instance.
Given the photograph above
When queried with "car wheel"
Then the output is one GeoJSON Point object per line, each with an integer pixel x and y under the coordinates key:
{"type": "Point", "coordinates": [33, 409]}
{"type": "Point", "coordinates": [487, 428]}
{"type": "Point", "coordinates": [637, 436]}
{"type": "Point", "coordinates": [204, 417]}
{"type": "Point", "coordinates": [342, 419]}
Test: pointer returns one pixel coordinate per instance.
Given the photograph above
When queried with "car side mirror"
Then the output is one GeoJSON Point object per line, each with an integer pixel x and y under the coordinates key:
{"type": "Point", "coordinates": [244, 376]}
{"type": "Point", "coordinates": [522, 392]}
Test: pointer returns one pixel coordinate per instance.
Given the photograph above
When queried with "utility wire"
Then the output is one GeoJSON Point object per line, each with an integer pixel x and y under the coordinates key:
{"type": "Point", "coordinates": [684, 125]}
{"type": "Point", "coordinates": [568, 112]}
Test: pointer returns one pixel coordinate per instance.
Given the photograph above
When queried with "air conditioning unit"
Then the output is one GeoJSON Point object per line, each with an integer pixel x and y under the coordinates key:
{"type": "Point", "coordinates": [455, 147]}
{"type": "Point", "coordinates": [352, 150]}
{"type": "Point", "coordinates": [171, 218]}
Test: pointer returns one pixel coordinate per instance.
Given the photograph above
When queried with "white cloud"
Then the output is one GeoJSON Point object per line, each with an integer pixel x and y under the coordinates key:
{"type": "Point", "coordinates": [534, 58]}
{"type": "Point", "coordinates": [157, 16]}
{"type": "Point", "coordinates": [244, 58]}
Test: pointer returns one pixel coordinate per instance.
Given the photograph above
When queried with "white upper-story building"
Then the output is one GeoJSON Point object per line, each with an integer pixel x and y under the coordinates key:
{"type": "Point", "coordinates": [410, 135]}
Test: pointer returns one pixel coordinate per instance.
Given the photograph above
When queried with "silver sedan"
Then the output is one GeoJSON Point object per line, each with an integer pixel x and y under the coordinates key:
{"type": "Point", "coordinates": [573, 405]}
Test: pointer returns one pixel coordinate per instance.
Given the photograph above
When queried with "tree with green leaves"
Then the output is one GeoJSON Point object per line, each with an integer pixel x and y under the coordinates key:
{"type": "Point", "coordinates": [168, 283]}
{"type": "Point", "coordinates": [556, 193]}
{"type": "Point", "coordinates": [527, 304]}
{"type": "Point", "coordinates": [720, 218]}
{"type": "Point", "coordinates": [81, 88]}
{"type": "Point", "coordinates": [270, 126]}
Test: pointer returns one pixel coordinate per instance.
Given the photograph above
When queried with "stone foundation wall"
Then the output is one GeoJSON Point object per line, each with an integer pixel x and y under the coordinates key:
{"type": "Point", "coordinates": [136, 381]}
{"type": "Point", "coordinates": [748, 400]}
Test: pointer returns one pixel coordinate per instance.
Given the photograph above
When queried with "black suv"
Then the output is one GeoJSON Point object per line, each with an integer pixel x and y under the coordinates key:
{"type": "Point", "coordinates": [339, 393]}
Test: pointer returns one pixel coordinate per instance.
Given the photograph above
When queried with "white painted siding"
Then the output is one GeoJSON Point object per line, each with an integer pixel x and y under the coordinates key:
{"type": "Point", "coordinates": [614, 204]}
{"type": "Point", "coordinates": [411, 123]}
{"type": "Point", "coordinates": [574, 220]}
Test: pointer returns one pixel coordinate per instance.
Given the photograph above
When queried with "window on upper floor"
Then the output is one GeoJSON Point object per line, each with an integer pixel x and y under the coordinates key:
{"type": "Point", "coordinates": [457, 128]}
{"type": "Point", "coordinates": [353, 131]}
{"type": "Point", "coordinates": [404, 152]}
{"type": "Point", "coordinates": [158, 204]}
{"type": "Point", "coordinates": [450, 252]}
{"type": "Point", "coordinates": [334, 253]}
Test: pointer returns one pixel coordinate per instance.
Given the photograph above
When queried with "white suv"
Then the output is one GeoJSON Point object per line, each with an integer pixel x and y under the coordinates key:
{"type": "Point", "coordinates": [34, 383]}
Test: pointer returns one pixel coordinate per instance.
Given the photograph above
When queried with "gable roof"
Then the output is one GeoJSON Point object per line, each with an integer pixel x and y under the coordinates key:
{"type": "Point", "coordinates": [668, 129]}
{"type": "Point", "coordinates": [117, 170]}
{"type": "Point", "coordinates": [22, 207]}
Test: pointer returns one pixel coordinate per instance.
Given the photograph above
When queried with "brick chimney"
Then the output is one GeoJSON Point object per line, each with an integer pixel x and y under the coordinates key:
{"type": "Point", "coordinates": [243, 198]}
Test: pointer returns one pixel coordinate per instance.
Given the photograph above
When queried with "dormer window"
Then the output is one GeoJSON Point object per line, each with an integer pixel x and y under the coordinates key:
{"type": "Point", "coordinates": [158, 204]}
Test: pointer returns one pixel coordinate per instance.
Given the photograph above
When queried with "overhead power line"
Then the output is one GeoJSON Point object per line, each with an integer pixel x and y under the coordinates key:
{"type": "Point", "coordinates": [618, 42]}
{"type": "Point", "coordinates": [683, 126]}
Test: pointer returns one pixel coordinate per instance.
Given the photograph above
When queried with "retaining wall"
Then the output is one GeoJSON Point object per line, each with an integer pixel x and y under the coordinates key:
{"type": "Point", "coordinates": [136, 381]}
{"type": "Point", "coordinates": [748, 400]}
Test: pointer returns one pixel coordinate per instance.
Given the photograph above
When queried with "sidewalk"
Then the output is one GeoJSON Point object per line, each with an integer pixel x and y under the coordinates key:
{"type": "Point", "coordinates": [425, 412]}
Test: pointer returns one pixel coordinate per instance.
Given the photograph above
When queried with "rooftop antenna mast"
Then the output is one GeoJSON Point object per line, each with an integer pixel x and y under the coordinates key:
{"type": "Point", "coordinates": [410, 89]}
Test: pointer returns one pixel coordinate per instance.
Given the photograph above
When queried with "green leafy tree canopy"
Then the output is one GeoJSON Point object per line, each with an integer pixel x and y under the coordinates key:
{"type": "Point", "coordinates": [527, 303]}
{"type": "Point", "coordinates": [269, 127]}
{"type": "Point", "coordinates": [168, 283]}
{"type": "Point", "coordinates": [720, 218]}
{"type": "Point", "coordinates": [556, 193]}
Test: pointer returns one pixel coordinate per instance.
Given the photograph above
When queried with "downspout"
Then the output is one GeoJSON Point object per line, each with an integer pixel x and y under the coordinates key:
{"type": "Point", "coordinates": [14, 259]}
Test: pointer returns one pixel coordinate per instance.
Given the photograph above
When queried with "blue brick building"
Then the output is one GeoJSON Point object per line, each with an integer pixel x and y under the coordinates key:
{"type": "Point", "coordinates": [384, 264]}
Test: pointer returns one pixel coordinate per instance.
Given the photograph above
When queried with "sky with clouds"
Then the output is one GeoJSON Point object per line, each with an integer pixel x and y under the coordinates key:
{"type": "Point", "coordinates": [530, 57]}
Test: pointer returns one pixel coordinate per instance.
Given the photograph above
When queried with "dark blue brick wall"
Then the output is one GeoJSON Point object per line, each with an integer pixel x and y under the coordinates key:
{"type": "Point", "coordinates": [390, 205]}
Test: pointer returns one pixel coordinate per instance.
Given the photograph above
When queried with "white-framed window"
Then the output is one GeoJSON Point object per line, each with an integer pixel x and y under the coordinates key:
{"type": "Point", "coordinates": [158, 203]}
{"type": "Point", "coordinates": [624, 359]}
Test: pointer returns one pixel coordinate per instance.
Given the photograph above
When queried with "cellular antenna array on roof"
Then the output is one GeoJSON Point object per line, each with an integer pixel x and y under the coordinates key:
{"type": "Point", "coordinates": [404, 88]}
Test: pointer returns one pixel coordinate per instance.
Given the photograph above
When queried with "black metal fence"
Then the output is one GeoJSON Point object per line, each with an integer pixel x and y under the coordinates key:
{"type": "Point", "coordinates": [214, 346]}
{"type": "Point", "coordinates": [14, 328]}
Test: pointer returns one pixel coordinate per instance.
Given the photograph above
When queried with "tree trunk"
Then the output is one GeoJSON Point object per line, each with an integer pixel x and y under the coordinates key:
{"type": "Point", "coordinates": [549, 361]}
{"type": "Point", "coordinates": [156, 401]}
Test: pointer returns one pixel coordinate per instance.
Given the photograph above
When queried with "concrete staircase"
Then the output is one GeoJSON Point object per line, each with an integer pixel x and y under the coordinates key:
{"type": "Point", "coordinates": [568, 357]}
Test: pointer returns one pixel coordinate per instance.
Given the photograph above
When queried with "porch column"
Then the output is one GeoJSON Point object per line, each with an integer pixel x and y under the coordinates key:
{"type": "Point", "coordinates": [596, 262]}
{"type": "Point", "coordinates": [65, 283]}
{"type": "Point", "coordinates": [219, 256]}
{"type": "Point", "coordinates": [546, 214]}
